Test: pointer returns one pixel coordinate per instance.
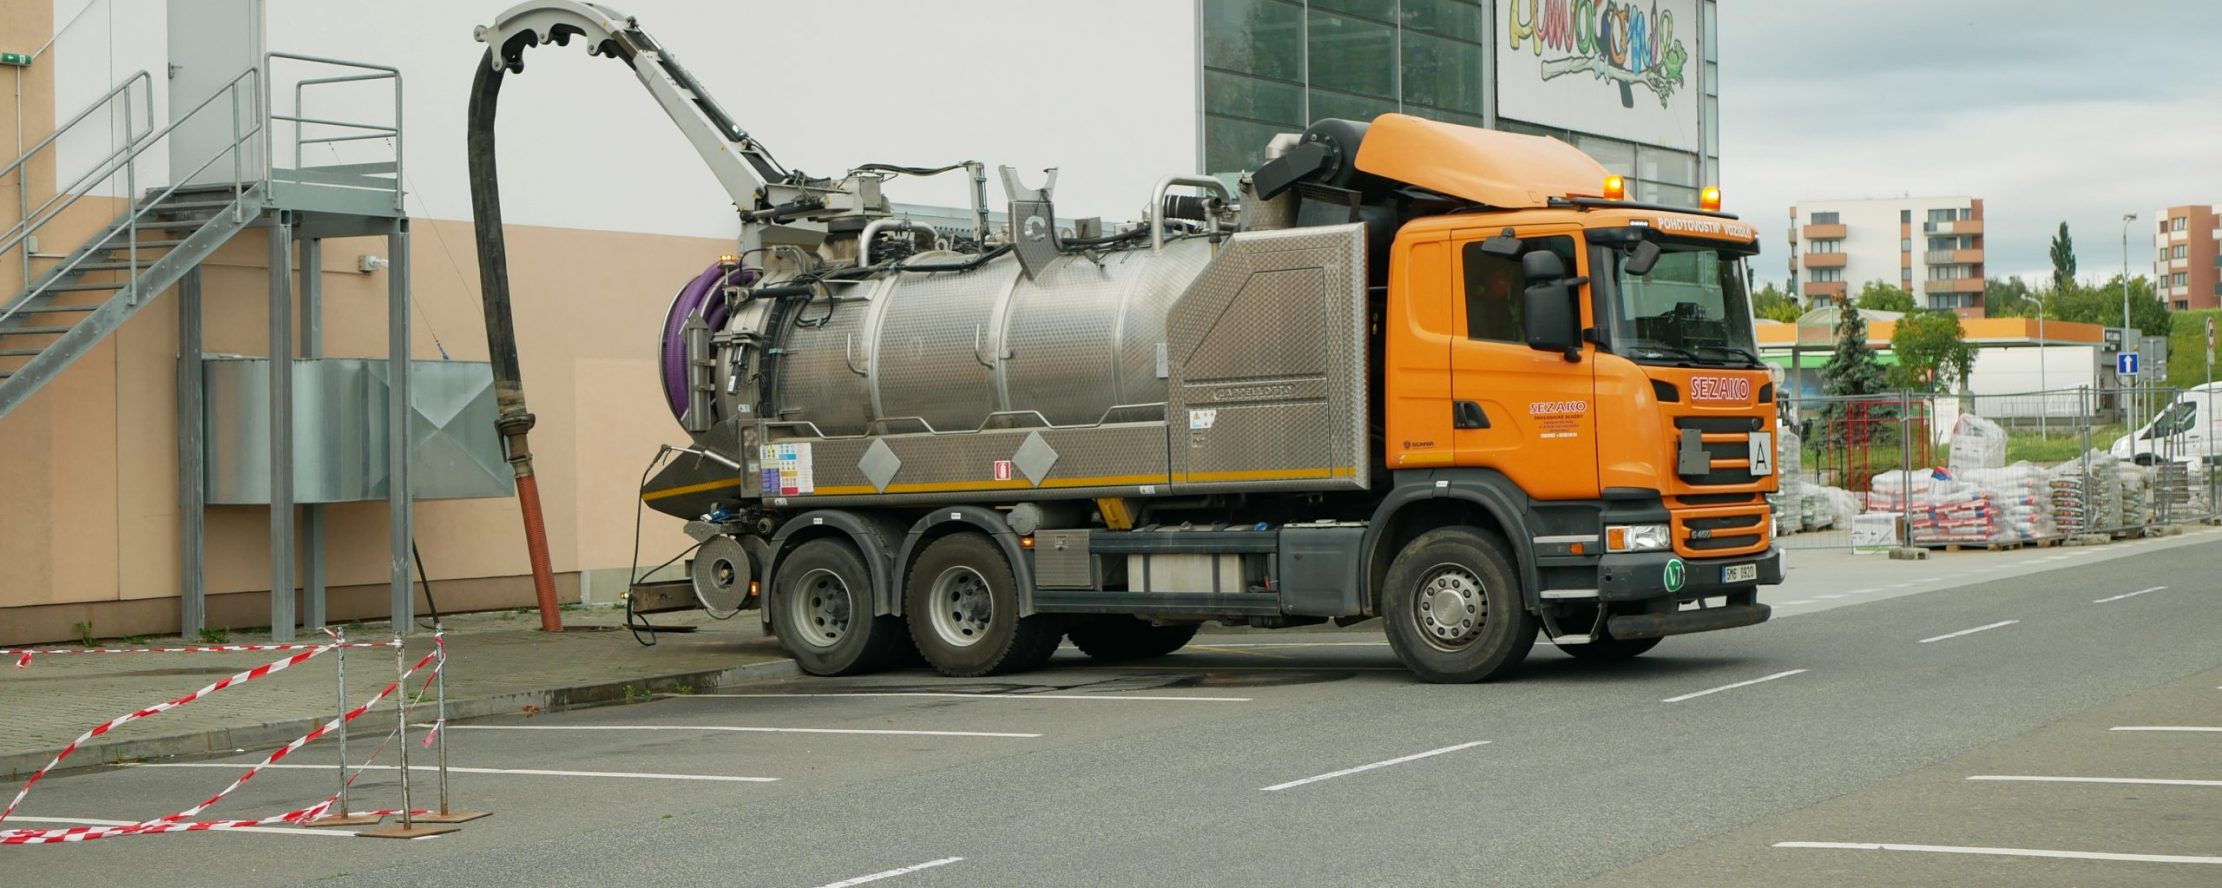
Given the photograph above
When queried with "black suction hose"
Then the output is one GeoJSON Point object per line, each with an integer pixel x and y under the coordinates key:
{"type": "Point", "coordinates": [514, 422]}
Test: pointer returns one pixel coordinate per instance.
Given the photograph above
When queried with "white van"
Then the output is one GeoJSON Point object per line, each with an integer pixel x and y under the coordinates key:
{"type": "Point", "coordinates": [2180, 432]}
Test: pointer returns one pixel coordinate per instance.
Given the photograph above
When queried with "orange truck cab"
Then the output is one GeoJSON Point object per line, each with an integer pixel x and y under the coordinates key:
{"type": "Point", "coordinates": [1583, 369]}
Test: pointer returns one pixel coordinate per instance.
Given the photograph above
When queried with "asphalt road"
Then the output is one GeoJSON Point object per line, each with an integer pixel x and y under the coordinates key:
{"type": "Point", "coordinates": [1834, 746]}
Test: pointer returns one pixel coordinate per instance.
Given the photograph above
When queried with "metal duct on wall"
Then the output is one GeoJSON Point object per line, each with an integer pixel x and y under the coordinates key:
{"type": "Point", "coordinates": [340, 431]}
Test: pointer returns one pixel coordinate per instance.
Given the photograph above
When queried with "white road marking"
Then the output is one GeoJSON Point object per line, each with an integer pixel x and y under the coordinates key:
{"type": "Point", "coordinates": [977, 696]}
{"type": "Point", "coordinates": [1970, 631]}
{"type": "Point", "coordinates": [523, 772]}
{"type": "Point", "coordinates": [2201, 729]}
{"type": "Point", "coordinates": [1731, 687]}
{"type": "Point", "coordinates": [271, 830]}
{"type": "Point", "coordinates": [1927, 580]}
{"type": "Point", "coordinates": [1828, 597]}
{"type": "Point", "coordinates": [2140, 781]}
{"type": "Point", "coordinates": [1864, 591]}
{"type": "Point", "coordinates": [737, 730]}
{"type": "Point", "coordinates": [1296, 644]}
{"type": "Point", "coordinates": [2005, 852]}
{"type": "Point", "coordinates": [889, 874]}
{"type": "Point", "coordinates": [1793, 603]}
{"type": "Point", "coordinates": [2127, 595]}
{"type": "Point", "coordinates": [1349, 771]}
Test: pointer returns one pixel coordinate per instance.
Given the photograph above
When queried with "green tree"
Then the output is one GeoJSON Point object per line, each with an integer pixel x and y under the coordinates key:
{"type": "Point", "coordinates": [1852, 370]}
{"type": "Point", "coordinates": [2187, 347]}
{"type": "Point", "coordinates": [2063, 259]}
{"type": "Point", "coordinates": [2010, 298]}
{"type": "Point", "coordinates": [2103, 306]}
{"type": "Point", "coordinates": [1879, 296]}
{"type": "Point", "coordinates": [1932, 356]}
{"type": "Point", "coordinates": [1773, 304]}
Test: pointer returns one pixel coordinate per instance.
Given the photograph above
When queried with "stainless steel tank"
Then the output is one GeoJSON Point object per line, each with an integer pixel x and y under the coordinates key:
{"type": "Point", "coordinates": [945, 352]}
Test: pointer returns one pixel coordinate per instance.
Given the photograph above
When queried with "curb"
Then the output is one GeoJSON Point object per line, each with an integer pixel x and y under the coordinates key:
{"type": "Point", "coordinates": [223, 741]}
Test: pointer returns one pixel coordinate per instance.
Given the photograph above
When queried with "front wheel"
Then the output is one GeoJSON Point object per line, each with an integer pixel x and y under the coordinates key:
{"type": "Point", "coordinates": [1453, 609]}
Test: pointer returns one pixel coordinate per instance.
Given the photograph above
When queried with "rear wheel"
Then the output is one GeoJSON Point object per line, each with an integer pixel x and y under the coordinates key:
{"type": "Point", "coordinates": [961, 601]}
{"type": "Point", "coordinates": [821, 609]}
{"type": "Point", "coordinates": [1452, 607]}
{"type": "Point", "coordinates": [1127, 638]}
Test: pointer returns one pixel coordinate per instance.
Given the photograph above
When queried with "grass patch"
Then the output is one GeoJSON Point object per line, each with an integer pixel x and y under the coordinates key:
{"type": "Point", "coordinates": [210, 635]}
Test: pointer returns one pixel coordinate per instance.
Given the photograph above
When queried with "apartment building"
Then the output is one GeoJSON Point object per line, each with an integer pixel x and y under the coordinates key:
{"type": "Point", "coordinates": [2187, 261]}
{"type": "Point", "coordinates": [1930, 246]}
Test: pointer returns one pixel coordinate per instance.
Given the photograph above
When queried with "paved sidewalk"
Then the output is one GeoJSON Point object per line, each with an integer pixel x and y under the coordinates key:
{"type": "Point", "coordinates": [497, 663]}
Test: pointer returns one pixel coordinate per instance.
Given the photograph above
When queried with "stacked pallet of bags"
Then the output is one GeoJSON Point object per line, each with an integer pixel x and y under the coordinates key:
{"type": "Point", "coordinates": [2137, 494]}
{"type": "Point", "coordinates": [2086, 494]}
{"type": "Point", "coordinates": [1942, 508]}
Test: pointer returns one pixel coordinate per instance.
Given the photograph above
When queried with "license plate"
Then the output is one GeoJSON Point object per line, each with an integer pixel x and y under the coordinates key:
{"type": "Point", "coordinates": [1762, 454]}
{"type": "Point", "coordinates": [1740, 573]}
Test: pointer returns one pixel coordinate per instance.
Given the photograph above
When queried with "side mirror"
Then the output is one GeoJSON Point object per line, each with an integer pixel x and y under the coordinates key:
{"type": "Point", "coordinates": [1547, 305]}
{"type": "Point", "coordinates": [1642, 258]}
{"type": "Point", "coordinates": [1505, 244]}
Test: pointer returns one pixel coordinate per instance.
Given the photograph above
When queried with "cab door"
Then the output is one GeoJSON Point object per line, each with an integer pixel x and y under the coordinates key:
{"type": "Point", "coordinates": [1527, 413]}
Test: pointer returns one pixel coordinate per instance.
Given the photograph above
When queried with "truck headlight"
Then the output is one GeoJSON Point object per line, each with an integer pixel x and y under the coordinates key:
{"type": "Point", "coordinates": [1637, 538]}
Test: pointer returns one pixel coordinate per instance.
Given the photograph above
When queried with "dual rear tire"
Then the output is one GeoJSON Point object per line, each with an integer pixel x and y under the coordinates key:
{"type": "Point", "coordinates": [962, 604]}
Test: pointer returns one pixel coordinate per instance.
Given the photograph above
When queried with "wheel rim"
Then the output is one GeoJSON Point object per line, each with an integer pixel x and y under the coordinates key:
{"type": "Point", "coordinates": [960, 607]}
{"type": "Point", "coordinates": [1450, 608]}
{"type": "Point", "coordinates": [819, 608]}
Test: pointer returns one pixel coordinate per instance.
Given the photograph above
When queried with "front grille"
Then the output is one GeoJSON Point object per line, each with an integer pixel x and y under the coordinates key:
{"type": "Point", "coordinates": [1722, 450]}
{"type": "Point", "coordinates": [1716, 499]}
{"type": "Point", "coordinates": [1721, 530]}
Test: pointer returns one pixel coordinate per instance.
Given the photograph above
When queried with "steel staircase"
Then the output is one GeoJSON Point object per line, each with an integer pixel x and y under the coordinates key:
{"type": "Point", "coordinates": [67, 309]}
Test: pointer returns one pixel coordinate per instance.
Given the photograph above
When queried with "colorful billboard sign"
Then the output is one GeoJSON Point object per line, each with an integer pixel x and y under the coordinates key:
{"type": "Point", "coordinates": [1627, 69]}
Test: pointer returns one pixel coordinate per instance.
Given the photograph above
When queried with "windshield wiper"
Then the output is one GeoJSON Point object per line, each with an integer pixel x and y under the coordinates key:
{"type": "Point", "coordinates": [1735, 351]}
{"type": "Point", "coordinates": [1663, 350]}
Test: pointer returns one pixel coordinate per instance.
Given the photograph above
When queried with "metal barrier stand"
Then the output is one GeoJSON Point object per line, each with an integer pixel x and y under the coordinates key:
{"type": "Point", "coordinates": [409, 827]}
{"type": "Point", "coordinates": [439, 727]}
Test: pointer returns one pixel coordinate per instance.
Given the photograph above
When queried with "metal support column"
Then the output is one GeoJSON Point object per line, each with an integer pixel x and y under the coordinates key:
{"type": "Point", "coordinates": [281, 427]}
{"type": "Point", "coordinates": [397, 423]}
{"type": "Point", "coordinates": [312, 514]}
{"type": "Point", "coordinates": [192, 493]}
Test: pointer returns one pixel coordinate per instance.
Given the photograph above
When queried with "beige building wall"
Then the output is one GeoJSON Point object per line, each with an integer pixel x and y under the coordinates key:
{"type": "Point", "coordinates": [90, 522]}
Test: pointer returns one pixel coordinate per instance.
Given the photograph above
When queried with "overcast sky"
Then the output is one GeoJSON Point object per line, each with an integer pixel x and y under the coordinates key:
{"type": "Point", "coordinates": [2048, 110]}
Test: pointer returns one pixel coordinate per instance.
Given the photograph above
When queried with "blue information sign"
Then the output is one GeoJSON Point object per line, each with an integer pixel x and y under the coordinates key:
{"type": "Point", "coordinates": [2125, 364]}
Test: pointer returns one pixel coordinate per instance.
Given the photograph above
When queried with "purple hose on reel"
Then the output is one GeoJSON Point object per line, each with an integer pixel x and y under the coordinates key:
{"type": "Point", "coordinates": [691, 301]}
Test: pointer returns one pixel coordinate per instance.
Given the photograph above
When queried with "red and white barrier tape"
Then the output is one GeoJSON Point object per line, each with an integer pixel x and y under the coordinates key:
{"type": "Point", "coordinates": [177, 822]}
{"type": "Point", "coordinates": [23, 655]}
{"type": "Point", "coordinates": [157, 709]}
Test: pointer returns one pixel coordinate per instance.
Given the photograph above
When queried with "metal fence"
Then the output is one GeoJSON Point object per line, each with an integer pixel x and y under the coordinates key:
{"type": "Point", "coordinates": [1995, 470]}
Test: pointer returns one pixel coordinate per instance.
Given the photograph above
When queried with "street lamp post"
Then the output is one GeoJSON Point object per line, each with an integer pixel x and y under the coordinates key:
{"type": "Point", "coordinates": [2126, 219]}
{"type": "Point", "coordinates": [2044, 394]}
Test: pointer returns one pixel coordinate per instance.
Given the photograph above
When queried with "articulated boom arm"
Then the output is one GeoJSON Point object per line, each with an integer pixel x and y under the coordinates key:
{"type": "Point", "coordinates": [740, 163]}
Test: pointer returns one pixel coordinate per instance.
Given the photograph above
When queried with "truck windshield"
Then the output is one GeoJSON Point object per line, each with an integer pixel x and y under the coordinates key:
{"type": "Point", "coordinates": [1691, 308]}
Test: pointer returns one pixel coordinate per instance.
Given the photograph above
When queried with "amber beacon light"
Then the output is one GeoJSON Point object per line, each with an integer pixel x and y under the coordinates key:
{"type": "Point", "coordinates": [1710, 198]}
{"type": "Point", "coordinates": [1616, 188]}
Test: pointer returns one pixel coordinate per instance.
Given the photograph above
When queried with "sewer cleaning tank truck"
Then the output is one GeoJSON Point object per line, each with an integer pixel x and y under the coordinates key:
{"type": "Point", "coordinates": [1439, 375]}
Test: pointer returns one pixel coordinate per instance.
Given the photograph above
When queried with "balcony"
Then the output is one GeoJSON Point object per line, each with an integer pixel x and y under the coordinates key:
{"type": "Point", "coordinates": [1826, 260]}
{"type": "Point", "coordinates": [1964, 226]}
{"type": "Point", "coordinates": [1957, 285]}
{"type": "Point", "coordinates": [1820, 289]}
{"type": "Point", "coordinates": [1823, 232]}
{"type": "Point", "coordinates": [1953, 257]}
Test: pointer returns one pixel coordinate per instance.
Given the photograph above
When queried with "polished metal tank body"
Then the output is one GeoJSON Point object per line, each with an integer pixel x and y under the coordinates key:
{"type": "Point", "coordinates": [947, 352]}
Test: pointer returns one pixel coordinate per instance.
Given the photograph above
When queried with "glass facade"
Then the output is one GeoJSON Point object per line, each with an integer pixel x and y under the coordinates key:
{"type": "Point", "coordinates": [1274, 66]}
